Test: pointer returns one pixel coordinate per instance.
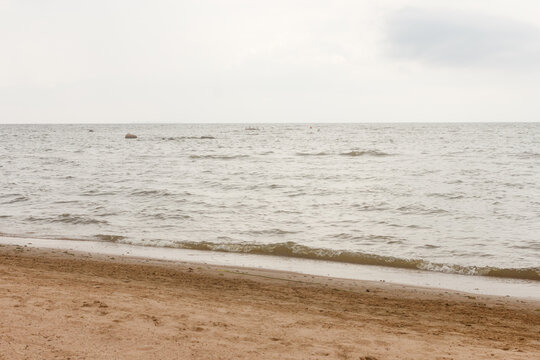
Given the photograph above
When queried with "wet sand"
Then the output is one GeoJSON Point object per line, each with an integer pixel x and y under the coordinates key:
{"type": "Point", "coordinates": [60, 304]}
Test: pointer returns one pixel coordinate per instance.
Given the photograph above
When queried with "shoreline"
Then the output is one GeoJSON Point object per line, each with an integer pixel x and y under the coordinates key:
{"type": "Point", "coordinates": [84, 305]}
{"type": "Point", "coordinates": [474, 284]}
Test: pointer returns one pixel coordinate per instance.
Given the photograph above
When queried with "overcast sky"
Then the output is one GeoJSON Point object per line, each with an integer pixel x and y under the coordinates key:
{"type": "Point", "coordinates": [67, 61]}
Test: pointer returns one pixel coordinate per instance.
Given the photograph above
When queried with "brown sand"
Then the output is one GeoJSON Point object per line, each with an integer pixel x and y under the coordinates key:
{"type": "Point", "coordinates": [56, 304]}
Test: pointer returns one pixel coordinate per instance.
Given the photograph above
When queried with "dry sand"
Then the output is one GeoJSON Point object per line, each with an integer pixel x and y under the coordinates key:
{"type": "Point", "coordinates": [56, 304]}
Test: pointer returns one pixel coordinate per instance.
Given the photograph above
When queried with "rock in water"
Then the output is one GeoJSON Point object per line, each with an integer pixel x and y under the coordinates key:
{"type": "Point", "coordinates": [130, 136]}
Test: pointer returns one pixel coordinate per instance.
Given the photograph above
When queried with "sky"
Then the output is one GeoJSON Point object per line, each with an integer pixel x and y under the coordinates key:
{"type": "Point", "coordinates": [142, 61]}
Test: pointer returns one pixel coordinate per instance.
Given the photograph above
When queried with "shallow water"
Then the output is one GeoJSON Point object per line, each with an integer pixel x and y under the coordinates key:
{"type": "Point", "coordinates": [462, 198]}
{"type": "Point", "coordinates": [471, 284]}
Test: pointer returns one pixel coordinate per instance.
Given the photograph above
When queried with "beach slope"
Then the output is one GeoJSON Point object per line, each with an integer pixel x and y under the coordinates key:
{"type": "Point", "coordinates": [58, 304]}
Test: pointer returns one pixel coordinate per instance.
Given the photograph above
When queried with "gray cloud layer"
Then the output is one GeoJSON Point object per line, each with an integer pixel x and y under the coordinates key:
{"type": "Point", "coordinates": [462, 39]}
{"type": "Point", "coordinates": [279, 61]}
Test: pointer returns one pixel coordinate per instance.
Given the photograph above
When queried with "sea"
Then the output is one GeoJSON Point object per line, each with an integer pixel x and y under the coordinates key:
{"type": "Point", "coordinates": [460, 198]}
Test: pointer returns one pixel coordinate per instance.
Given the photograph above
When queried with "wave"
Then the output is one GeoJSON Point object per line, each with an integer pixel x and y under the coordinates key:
{"type": "Point", "coordinates": [270, 232]}
{"type": "Point", "coordinates": [370, 238]}
{"type": "Point", "coordinates": [365, 153]}
{"type": "Point", "coordinates": [109, 238]}
{"type": "Point", "coordinates": [66, 202]}
{"type": "Point", "coordinates": [154, 193]}
{"type": "Point", "coordinates": [421, 209]}
{"type": "Point", "coordinates": [174, 216]}
{"type": "Point", "coordinates": [68, 219]}
{"type": "Point", "coordinates": [204, 137]}
{"type": "Point", "coordinates": [218, 157]}
{"type": "Point", "coordinates": [350, 153]}
{"type": "Point", "coordinates": [16, 200]}
{"type": "Point", "coordinates": [322, 153]}
{"type": "Point", "coordinates": [449, 196]}
{"type": "Point", "coordinates": [97, 193]}
{"type": "Point", "coordinates": [528, 155]}
{"type": "Point", "coordinates": [381, 206]}
{"type": "Point", "coordinates": [294, 250]}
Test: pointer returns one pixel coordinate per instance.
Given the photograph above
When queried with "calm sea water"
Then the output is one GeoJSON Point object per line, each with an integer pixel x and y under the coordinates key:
{"type": "Point", "coordinates": [461, 198]}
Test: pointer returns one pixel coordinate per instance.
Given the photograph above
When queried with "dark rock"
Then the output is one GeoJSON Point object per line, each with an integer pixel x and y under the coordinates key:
{"type": "Point", "coordinates": [130, 136]}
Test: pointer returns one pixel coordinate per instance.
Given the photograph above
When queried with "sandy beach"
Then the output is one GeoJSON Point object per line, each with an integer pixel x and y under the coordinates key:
{"type": "Point", "coordinates": [65, 305]}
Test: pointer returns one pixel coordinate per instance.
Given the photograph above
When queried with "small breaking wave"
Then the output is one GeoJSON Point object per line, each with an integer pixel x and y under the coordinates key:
{"type": "Point", "coordinates": [294, 250]}
{"type": "Point", "coordinates": [532, 273]}
{"type": "Point", "coordinates": [365, 153]}
{"type": "Point", "coordinates": [109, 238]}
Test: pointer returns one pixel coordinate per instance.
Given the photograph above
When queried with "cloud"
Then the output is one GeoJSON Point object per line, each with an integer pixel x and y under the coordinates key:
{"type": "Point", "coordinates": [461, 39]}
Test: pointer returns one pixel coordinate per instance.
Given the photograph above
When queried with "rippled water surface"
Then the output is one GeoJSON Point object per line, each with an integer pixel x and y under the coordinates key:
{"type": "Point", "coordinates": [447, 197]}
